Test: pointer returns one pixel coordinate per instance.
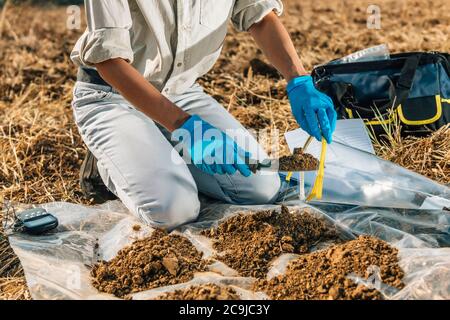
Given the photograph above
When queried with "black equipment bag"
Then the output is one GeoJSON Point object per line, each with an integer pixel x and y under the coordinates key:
{"type": "Point", "coordinates": [415, 87]}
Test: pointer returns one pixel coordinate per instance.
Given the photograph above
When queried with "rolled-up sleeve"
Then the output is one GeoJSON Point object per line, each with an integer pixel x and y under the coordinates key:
{"type": "Point", "coordinates": [248, 12]}
{"type": "Point", "coordinates": [108, 33]}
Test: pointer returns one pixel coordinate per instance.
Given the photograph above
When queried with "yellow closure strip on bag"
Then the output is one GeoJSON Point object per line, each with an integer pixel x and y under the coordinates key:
{"type": "Point", "coordinates": [349, 113]}
{"type": "Point", "coordinates": [316, 192]}
{"type": "Point", "coordinates": [445, 100]}
{"type": "Point", "coordinates": [289, 175]}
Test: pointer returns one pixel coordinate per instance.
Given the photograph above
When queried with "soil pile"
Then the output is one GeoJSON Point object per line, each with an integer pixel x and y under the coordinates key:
{"type": "Point", "coordinates": [299, 161]}
{"type": "Point", "coordinates": [156, 261]}
{"type": "Point", "coordinates": [322, 274]}
{"type": "Point", "coordinates": [249, 242]}
{"type": "Point", "coordinates": [202, 292]}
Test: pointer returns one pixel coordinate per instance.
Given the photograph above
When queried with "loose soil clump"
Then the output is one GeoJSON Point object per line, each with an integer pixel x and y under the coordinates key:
{"type": "Point", "coordinates": [249, 242]}
{"type": "Point", "coordinates": [299, 161]}
{"type": "Point", "coordinates": [323, 274]}
{"type": "Point", "coordinates": [159, 260]}
{"type": "Point", "coordinates": [202, 292]}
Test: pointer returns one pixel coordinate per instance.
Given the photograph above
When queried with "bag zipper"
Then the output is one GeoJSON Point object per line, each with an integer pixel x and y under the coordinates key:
{"type": "Point", "coordinates": [396, 61]}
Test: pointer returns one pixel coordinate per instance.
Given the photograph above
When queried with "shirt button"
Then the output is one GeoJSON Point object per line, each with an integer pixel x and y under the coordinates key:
{"type": "Point", "coordinates": [166, 90]}
{"type": "Point", "coordinates": [179, 64]}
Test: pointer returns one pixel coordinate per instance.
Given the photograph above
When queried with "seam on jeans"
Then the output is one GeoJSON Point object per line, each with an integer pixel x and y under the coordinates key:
{"type": "Point", "coordinates": [103, 152]}
{"type": "Point", "coordinates": [131, 204]}
{"type": "Point", "coordinates": [233, 185]}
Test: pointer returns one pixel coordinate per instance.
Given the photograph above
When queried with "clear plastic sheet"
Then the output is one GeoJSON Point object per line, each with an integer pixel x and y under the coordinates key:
{"type": "Point", "coordinates": [380, 52]}
{"type": "Point", "coordinates": [367, 180]}
{"type": "Point", "coordinates": [57, 265]}
{"type": "Point", "coordinates": [405, 228]}
{"type": "Point", "coordinates": [422, 237]}
{"type": "Point", "coordinates": [242, 286]}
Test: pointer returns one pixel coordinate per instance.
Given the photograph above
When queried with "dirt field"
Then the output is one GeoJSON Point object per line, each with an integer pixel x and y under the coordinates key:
{"type": "Point", "coordinates": [41, 151]}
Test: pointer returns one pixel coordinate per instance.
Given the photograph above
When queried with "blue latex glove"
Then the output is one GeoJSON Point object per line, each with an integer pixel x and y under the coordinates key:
{"type": "Point", "coordinates": [212, 151]}
{"type": "Point", "coordinates": [312, 109]}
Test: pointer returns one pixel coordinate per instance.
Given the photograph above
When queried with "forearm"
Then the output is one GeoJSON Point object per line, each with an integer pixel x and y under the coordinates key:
{"type": "Point", "coordinates": [139, 92]}
{"type": "Point", "coordinates": [274, 40]}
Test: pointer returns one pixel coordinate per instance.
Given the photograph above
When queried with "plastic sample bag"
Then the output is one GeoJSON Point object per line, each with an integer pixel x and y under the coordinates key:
{"type": "Point", "coordinates": [356, 177]}
{"type": "Point", "coordinates": [380, 52]}
{"type": "Point", "coordinates": [57, 266]}
{"type": "Point", "coordinates": [405, 228]}
{"type": "Point", "coordinates": [241, 285]}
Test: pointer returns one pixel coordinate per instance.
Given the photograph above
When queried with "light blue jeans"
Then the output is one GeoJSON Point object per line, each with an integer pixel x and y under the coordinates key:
{"type": "Point", "coordinates": [136, 157]}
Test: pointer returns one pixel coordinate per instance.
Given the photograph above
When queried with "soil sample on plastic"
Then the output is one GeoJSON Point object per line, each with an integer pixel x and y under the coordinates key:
{"type": "Point", "coordinates": [249, 242]}
{"type": "Point", "coordinates": [159, 260]}
{"type": "Point", "coordinates": [202, 292]}
{"type": "Point", "coordinates": [298, 161]}
{"type": "Point", "coordinates": [323, 274]}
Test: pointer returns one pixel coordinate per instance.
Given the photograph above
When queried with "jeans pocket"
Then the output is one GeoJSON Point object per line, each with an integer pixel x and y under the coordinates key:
{"type": "Point", "coordinates": [86, 101]}
{"type": "Point", "coordinates": [87, 96]}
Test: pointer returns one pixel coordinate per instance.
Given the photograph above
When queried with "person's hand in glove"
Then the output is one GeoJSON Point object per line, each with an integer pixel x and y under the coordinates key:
{"type": "Point", "coordinates": [211, 150]}
{"type": "Point", "coordinates": [312, 109]}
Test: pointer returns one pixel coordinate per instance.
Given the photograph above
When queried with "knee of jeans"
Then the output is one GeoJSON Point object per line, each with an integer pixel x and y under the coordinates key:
{"type": "Point", "coordinates": [170, 211]}
{"type": "Point", "coordinates": [262, 189]}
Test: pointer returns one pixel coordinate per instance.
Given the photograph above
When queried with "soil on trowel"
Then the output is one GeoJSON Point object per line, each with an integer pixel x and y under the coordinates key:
{"type": "Point", "coordinates": [249, 242]}
{"type": "Point", "coordinates": [202, 292]}
{"type": "Point", "coordinates": [323, 274]}
{"type": "Point", "coordinates": [298, 161]}
{"type": "Point", "coordinates": [159, 260]}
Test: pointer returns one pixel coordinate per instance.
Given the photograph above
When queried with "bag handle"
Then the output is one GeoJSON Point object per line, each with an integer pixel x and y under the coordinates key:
{"type": "Point", "coordinates": [398, 92]}
{"type": "Point", "coordinates": [406, 80]}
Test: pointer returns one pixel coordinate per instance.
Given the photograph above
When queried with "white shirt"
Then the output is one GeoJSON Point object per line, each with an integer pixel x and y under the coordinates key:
{"type": "Point", "coordinates": [170, 42]}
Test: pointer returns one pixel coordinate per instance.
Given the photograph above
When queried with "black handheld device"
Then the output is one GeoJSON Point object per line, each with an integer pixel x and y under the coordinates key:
{"type": "Point", "coordinates": [35, 221]}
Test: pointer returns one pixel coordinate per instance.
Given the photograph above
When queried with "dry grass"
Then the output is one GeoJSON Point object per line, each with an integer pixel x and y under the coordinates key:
{"type": "Point", "coordinates": [41, 150]}
{"type": "Point", "coordinates": [430, 156]}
